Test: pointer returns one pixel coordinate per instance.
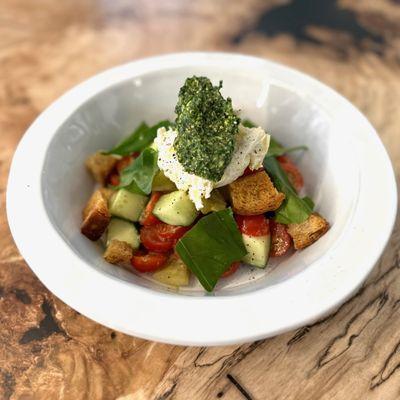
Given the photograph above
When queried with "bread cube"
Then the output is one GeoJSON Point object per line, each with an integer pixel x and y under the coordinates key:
{"type": "Point", "coordinates": [309, 231]}
{"type": "Point", "coordinates": [254, 194]}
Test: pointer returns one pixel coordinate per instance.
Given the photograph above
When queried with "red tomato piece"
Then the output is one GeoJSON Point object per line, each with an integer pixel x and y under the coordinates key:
{"type": "Point", "coordinates": [113, 179]}
{"type": "Point", "coordinates": [151, 239]}
{"type": "Point", "coordinates": [172, 231]}
{"type": "Point", "coordinates": [280, 239]}
{"type": "Point", "coordinates": [148, 262]}
{"type": "Point", "coordinates": [147, 218]}
{"type": "Point", "coordinates": [293, 173]}
{"type": "Point", "coordinates": [231, 270]}
{"type": "Point", "coordinates": [253, 225]}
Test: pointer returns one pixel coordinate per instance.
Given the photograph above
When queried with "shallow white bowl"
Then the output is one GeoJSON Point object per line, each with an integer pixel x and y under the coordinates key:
{"type": "Point", "coordinates": [347, 173]}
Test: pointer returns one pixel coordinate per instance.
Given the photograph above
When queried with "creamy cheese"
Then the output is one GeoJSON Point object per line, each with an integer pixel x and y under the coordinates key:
{"type": "Point", "coordinates": [250, 149]}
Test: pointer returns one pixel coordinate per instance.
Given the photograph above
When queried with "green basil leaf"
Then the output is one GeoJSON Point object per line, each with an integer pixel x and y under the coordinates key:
{"type": "Point", "coordinates": [134, 188]}
{"type": "Point", "coordinates": [124, 147]}
{"type": "Point", "coordinates": [211, 246]}
{"type": "Point", "coordinates": [293, 210]}
{"type": "Point", "coordinates": [139, 176]}
{"type": "Point", "coordinates": [141, 137]}
{"type": "Point", "coordinates": [309, 201]}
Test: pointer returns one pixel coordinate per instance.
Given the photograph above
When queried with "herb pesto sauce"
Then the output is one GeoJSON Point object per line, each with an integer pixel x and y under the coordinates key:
{"type": "Point", "coordinates": [207, 126]}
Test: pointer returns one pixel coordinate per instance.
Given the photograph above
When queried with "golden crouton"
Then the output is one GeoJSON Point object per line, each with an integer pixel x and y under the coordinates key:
{"type": "Point", "coordinates": [107, 193]}
{"type": "Point", "coordinates": [119, 253]}
{"type": "Point", "coordinates": [254, 194]}
{"type": "Point", "coordinates": [309, 231]}
{"type": "Point", "coordinates": [100, 166]}
{"type": "Point", "coordinates": [96, 216]}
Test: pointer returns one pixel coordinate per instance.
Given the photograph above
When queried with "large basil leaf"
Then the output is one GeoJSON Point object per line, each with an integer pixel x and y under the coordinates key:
{"type": "Point", "coordinates": [141, 137]}
{"type": "Point", "coordinates": [294, 209]}
{"type": "Point", "coordinates": [139, 176]}
{"type": "Point", "coordinates": [211, 246]}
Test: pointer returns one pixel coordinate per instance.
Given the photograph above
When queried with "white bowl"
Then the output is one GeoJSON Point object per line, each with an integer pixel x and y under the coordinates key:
{"type": "Point", "coordinates": [347, 173]}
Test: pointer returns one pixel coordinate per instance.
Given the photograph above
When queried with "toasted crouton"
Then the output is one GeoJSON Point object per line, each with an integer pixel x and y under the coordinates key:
{"type": "Point", "coordinates": [119, 253]}
{"type": "Point", "coordinates": [100, 166]}
{"type": "Point", "coordinates": [107, 193]}
{"type": "Point", "coordinates": [254, 194]}
{"type": "Point", "coordinates": [309, 231]}
{"type": "Point", "coordinates": [96, 216]}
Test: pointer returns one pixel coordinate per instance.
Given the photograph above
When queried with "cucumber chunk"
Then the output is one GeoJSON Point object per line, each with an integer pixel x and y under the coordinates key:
{"type": "Point", "coordinates": [175, 208]}
{"type": "Point", "coordinates": [214, 203]}
{"type": "Point", "coordinates": [176, 273]}
{"type": "Point", "coordinates": [124, 231]}
{"type": "Point", "coordinates": [258, 250]}
{"type": "Point", "coordinates": [127, 205]}
{"type": "Point", "coordinates": [162, 184]}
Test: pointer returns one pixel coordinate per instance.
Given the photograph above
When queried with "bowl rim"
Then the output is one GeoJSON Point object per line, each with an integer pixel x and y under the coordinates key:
{"type": "Point", "coordinates": [208, 320]}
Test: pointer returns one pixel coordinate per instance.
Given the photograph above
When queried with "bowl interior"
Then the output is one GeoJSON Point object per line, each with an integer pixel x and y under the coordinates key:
{"type": "Point", "coordinates": [330, 171]}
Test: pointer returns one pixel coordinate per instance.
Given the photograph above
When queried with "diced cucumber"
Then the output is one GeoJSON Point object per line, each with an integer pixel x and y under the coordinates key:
{"type": "Point", "coordinates": [162, 184]}
{"type": "Point", "coordinates": [214, 203]}
{"type": "Point", "coordinates": [175, 208]}
{"type": "Point", "coordinates": [127, 205]}
{"type": "Point", "coordinates": [124, 231]}
{"type": "Point", "coordinates": [176, 273]}
{"type": "Point", "coordinates": [258, 250]}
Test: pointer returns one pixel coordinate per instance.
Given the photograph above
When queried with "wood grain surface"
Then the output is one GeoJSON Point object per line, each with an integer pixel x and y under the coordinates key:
{"type": "Point", "coordinates": [49, 351]}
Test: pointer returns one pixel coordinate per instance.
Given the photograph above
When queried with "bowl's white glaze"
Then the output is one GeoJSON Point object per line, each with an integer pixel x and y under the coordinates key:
{"type": "Point", "coordinates": [346, 169]}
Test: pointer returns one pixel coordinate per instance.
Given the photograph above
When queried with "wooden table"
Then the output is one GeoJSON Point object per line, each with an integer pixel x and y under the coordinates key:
{"type": "Point", "coordinates": [49, 351]}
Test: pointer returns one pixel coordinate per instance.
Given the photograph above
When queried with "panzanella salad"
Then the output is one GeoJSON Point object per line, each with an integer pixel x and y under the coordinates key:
{"type": "Point", "coordinates": [202, 194]}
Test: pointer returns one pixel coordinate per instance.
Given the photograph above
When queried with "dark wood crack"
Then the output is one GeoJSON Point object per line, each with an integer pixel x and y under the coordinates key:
{"type": "Point", "coordinates": [47, 326]}
{"type": "Point", "coordinates": [302, 332]}
{"type": "Point", "coordinates": [381, 377]}
{"type": "Point", "coordinates": [167, 394]}
{"type": "Point", "coordinates": [378, 302]}
{"type": "Point", "coordinates": [239, 387]}
{"type": "Point", "coordinates": [237, 356]}
{"type": "Point", "coordinates": [22, 295]}
{"type": "Point", "coordinates": [197, 364]}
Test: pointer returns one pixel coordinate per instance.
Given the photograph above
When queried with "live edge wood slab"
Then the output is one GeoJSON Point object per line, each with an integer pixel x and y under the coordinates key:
{"type": "Point", "coordinates": [49, 351]}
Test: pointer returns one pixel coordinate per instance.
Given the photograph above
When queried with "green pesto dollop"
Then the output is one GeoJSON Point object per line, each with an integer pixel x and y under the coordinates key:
{"type": "Point", "coordinates": [207, 126]}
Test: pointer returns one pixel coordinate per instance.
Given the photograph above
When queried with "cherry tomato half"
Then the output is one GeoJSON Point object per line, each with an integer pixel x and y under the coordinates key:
{"type": "Point", "coordinates": [293, 173]}
{"type": "Point", "coordinates": [280, 239]}
{"type": "Point", "coordinates": [253, 225]}
{"type": "Point", "coordinates": [161, 237]}
{"type": "Point", "coordinates": [231, 270]}
{"type": "Point", "coordinates": [172, 231]}
{"type": "Point", "coordinates": [147, 218]}
{"type": "Point", "coordinates": [151, 239]}
{"type": "Point", "coordinates": [148, 262]}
